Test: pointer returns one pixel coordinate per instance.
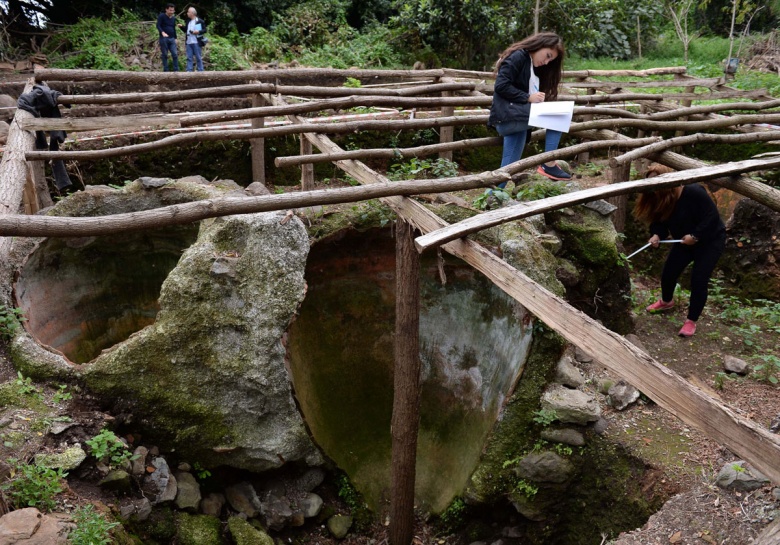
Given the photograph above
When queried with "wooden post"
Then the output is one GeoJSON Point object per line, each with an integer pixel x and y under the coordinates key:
{"type": "Point", "coordinates": [446, 133]}
{"type": "Point", "coordinates": [584, 157]}
{"type": "Point", "coordinates": [258, 144]}
{"type": "Point", "coordinates": [406, 385]}
{"type": "Point", "coordinates": [685, 102]}
{"type": "Point", "coordinates": [36, 172]}
{"type": "Point", "coordinates": [619, 174]}
{"type": "Point", "coordinates": [307, 169]}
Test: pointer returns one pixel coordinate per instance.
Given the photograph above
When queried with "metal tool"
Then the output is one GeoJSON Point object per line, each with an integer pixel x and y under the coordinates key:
{"type": "Point", "coordinates": [646, 246]}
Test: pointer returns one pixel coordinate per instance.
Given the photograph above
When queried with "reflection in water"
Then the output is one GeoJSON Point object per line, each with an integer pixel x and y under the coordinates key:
{"type": "Point", "coordinates": [474, 342]}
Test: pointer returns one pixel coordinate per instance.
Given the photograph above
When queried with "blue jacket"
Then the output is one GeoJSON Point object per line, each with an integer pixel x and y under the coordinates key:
{"type": "Point", "coordinates": [166, 24]}
{"type": "Point", "coordinates": [510, 93]}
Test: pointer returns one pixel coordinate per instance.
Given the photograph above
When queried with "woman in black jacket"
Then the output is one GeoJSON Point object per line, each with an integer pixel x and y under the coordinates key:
{"type": "Point", "coordinates": [687, 213]}
{"type": "Point", "coordinates": [527, 71]}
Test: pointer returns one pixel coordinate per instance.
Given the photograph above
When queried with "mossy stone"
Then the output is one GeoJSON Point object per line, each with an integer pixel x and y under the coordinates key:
{"type": "Point", "coordinates": [244, 533]}
{"type": "Point", "coordinates": [197, 529]}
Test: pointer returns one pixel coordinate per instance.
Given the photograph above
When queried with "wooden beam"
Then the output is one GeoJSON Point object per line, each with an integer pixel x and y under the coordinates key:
{"type": "Point", "coordinates": [406, 385]}
{"type": "Point", "coordinates": [257, 145]}
{"type": "Point", "coordinates": [770, 535]}
{"type": "Point", "coordinates": [703, 82]}
{"type": "Point", "coordinates": [77, 124]}
{"type": "Point", "coordinates": [511, 213]}
{"type": "Point", "coordinates": [669, 390]}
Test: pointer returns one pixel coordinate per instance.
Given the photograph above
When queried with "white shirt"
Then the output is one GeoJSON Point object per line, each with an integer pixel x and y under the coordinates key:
{"type": "Point", "coordinates": [533, 82]}
{"type": "Point", "coordinates": [193, 38]}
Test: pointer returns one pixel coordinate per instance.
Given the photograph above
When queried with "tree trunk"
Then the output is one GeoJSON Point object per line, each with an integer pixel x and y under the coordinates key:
{"type": "Point", "coordinates": [406, 385]}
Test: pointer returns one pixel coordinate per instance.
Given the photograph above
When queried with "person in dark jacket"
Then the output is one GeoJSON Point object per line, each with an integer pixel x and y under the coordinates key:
{"type": "Point", "coordinates": [166, 26]}
{"type": "Point", "coordinates": [527, 71]}
{"type": "Point", "coordinates": [687, 213]}
{"type": "Point", "coordinates": [194, 31]}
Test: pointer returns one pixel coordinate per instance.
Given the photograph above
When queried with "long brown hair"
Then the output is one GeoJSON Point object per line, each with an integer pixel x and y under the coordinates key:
{"type": "Point", "coordinates": [549, 74]}
{"type": "Point", "coordinates": [656, 205]}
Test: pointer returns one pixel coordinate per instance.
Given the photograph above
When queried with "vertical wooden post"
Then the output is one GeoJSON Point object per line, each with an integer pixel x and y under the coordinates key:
{"type": "Point", "coordinates": [406, 386]}
{"type": "Point", "coordinates": [619, 174]}
{"type": "Point", "coordinates": [446, 134]}
{"type": "Point", "coordinates": [258, 144]}
{"type": "Point", "coordinates": [38, 175]}
{"type": "Point", "coordinates": [307, 169]}
{"type": "Point", "coordinates": [686, 102]}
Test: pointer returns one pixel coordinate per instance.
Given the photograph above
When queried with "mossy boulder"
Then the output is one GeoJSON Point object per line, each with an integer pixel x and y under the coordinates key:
{"type": "Point", "coordinates": [197, 529]}
{"type": "Point", "coordinates": [244, 533]}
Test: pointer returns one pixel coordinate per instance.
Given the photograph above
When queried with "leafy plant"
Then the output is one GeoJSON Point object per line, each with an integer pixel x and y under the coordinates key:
{"type": "Point", "coordinates": [352, 82]}
{"type": "Point", "coordinates": [768, 370]}
{"type": "Point", "coordinates": [545, 417]}
{"type": "Point", "coordinates": [200, 471]}
{"type": "Point", "coordinates": [61, 394]}
{"type": "Point", "coordinates": [452, 517]}
{"type": "Point", "coordinates": [720, 379]}
{"type": "Point", "coordinates": [533, 191]}
{"type": "Point", "coordinates": [9, 321]}
{"type": "Point", "coordinates": [31, 485]}
{"type": "Point", "coordinates": [25, 386]}
{"type": "Point", "coordinates": [419, 169]}
{"type": "Point", "coordinates": [563, 450]}
{"type": "Point", "coordinates": [92, 528]}
{"type": "Point", "coordinates": [527, 489]}
{"type": "Point", "coordinates": [489, 197]}
{"type": "Point", "coordinates": [108, 448]}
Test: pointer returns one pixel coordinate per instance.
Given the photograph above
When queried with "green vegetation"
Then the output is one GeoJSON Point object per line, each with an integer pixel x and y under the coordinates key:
{"type": "Point", "coordinates": [357, 506]}
{"type": "Point", "coordinates": [526, 489]}
{"type": "Point", "coordinates": [92, 528]}
{"type": "Point", "coordinates": [31, 485]}
{"type": "Point", "coordinates": [108, 448]}
{"type": "Point", "coordinates": [545, 417]}
{"type": "Point", "coordinates": [25, 387]}
{"type": "Point", "coordinates": [420, 169]}
{"type": "Point", "coordinates": [9, 321]}
{"type": "Point", "coordinates": [540, 189]}
{"type": "Point", "coordinates": [453, 517]}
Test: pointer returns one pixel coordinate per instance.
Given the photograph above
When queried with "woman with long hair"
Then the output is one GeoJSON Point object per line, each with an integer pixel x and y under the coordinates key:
{"type": "Point", "coordinates": [527, 71]}
{"type": "Point", "coordinates": [687, 213]}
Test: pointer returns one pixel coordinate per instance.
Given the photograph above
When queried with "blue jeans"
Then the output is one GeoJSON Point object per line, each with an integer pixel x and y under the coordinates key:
{"type": "Point", "coordinates": [166, 45]}
{"type": "Point", "coordinates": [515, 136]}
{"type": "Point", "coordinates": [193, 51]}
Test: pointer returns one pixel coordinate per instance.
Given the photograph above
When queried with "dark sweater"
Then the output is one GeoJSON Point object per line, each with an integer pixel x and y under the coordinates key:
{"type": "Point", "coordinates": [694, 214]}
{"type": "Point", "coordinates": [510, 93]}
{"type": "Point", "coordinates": [166, 24]}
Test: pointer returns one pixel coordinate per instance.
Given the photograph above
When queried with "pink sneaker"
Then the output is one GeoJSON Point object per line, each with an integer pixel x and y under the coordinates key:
{"type": "Point", "coordinates": [659, 306]}
{"type": "Point", "coordinates": [688, 329]}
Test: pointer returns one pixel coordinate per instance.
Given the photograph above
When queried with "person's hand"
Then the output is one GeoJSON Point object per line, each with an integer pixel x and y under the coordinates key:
{"type": "Point", "coordinates": [164, 35]}
{"type": "Point", "coordinates": [196, 31]}
{"type": "Point", "coordinates": [655, 241]}
{"type": "Point", "coordinates": [536, 97]}
{"type": "Point", "coordinates": [689, 240]}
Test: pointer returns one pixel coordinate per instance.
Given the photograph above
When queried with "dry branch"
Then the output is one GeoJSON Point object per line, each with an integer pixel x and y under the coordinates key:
{"type": "Point", "coordinates": [249, 134]}
{"type": "Point", "coordinates": [237, 90]}
{"type": "Point", "coordinates": [334, 104]}
{"type": "Point", "coordinates": [706, 82]}
{"type": "Point", "coordinates": [631, 97]}
{"type": "Point", "coordinates": [511, 213]}
{"type": "Point", "coordinates": [658, 147]}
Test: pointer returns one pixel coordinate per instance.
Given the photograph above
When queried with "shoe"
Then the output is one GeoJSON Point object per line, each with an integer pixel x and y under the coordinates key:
{"type": "Point", "coordinates": [659, 306]}
{"type": "Point", "coordinates": [688, 329]}
{"type": "Point", "coordinates": [554, 172]}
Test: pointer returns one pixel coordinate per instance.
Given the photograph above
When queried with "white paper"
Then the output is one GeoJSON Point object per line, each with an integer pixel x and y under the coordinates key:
{"type": "Point", "coordinates": [552, 115]}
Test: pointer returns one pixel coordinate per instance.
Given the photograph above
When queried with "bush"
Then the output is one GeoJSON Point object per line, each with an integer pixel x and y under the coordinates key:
{"type": "Point", "coordinates": [260, 45]}
{"type": "Point", "coordinates": [108, 448]}
{"type": "Point", "coordinates": [369, 49]}
{"type": "Point", "coordinates": [223, 55]}
{"type": "Point", "coordinates": [309, 24]}
{"type": "Point", "coordinates": [92, 528]}
{"type": "Point", "coordinates": [32, 485]}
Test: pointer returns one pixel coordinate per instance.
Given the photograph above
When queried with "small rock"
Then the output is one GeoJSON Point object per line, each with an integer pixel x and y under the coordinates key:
{"type": "Point", "coordinates": [571, 406]}
{"type": "Point", "coordinates": [224, 267]}
{"type": "Point", "coordinates": [187, 492]}
{"type": "Point", "coordinates": [567, 436]}
{"type": "Point", "coordinates": [550, 242]}
{"type": "Point", "coordinates": [70, 458]}
{"type": "Point", "coordinates": [339, 525]}
{"type": "Point", "coordinates": [567, 374]}
{"type": "Point", "coordinates": [126, 509]}
{"type": "Point", "coordinates": [633, 339]}
{"type": "Point", "coordinates": [151, 183]}
{"type": "Point", "coordinates": [138, 467]}
{"type": "Point", "coordinates": [256, 189]}
{"type": "Point", "coordinates": [512, 531]}
{"type": "Point", "coordinates": [545, 467]}
{"type": "Point", "coordinates": [601, 426]}
{"type": "Point", "coordinates": [243, 498]}
{"type": "Point", "coordinates": [143, 509]}
{"type": "Point", "coordinates": [581, 356]}
{"type": "Point", "coordinates": [117, 480]}
{"type": "Point", "coordinates": [735, 365]}
{"type": "Point", "coordinates": [184, 466]}
{"type": "Point", "coordinates": [622, 394]}
{"type": "Point", "coordinates": [776, 493]}
{"type": "Point", "coordinates": [57, 428]}
{"type": "Point", "coordinates": [160, 484]}
{"type": "Point", "coordinates": [537, 222]}
{"type": "Point", "coordinates": [297, 519]}
{"type": "Point", "coordinates": [212, 504]}
{"type": "Point", "coordinates": [738, 476]}
{"type": "Point", "coordinates": [604, 384]}
{"type": "Point", "coordinates": [276, 511]}
{"type": "Point", "coordinates": [310, 480]}
{"type": "Point", "coordinates": [601, 206]}
{"type": "Point", "coordinates": [774, 425]}
{"type": "Point", "coordinates": [311, 505]}
{"type": "Point", "coordinates": [244, 533]}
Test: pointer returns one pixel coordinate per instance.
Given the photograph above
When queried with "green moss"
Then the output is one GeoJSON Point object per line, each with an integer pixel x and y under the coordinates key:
{"type": "Point", "coordinates": [515, 431]}
{"type": "Point", "coordinates": [524, 253]}
{"type": "Point", "coordinates": [588, 236]}
{"type": "Point", "coordinates": [160, 526]}
{"type": "Point", "coordinates": [244, 533]}
{"type": "Point", "coordinates": [197, 529]}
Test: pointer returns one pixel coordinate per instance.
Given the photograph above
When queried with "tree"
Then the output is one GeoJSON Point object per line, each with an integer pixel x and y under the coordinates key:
{"type": "Point", "coordinates": [680, 14]}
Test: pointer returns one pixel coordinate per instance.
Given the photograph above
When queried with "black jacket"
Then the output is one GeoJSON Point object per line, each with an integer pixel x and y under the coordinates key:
{"type": "Point", "coordinates": [694, 214]}
{"type": "Point", "coordinates": [510, 94]}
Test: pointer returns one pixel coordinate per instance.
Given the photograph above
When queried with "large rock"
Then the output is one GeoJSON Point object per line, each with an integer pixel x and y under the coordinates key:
{"type": "Point", "coordinates": [160, 484]}
{"type": "Point", "coordinates": [187, 492]}
{"type": "Point", "coordinates": [66, 460]}
{"type": "Point", "coordinates": [544, 467]}
{"type": "Point", "coordinates": [571, 406]}
{"type": "Point", "coordinates": [243, 498]}
{"type": "Point", "coordinates": [339, 525]}
{"type": "Point", "coordinates": [207, 371]}
{"type": "Point", "coordinates": [31, 527]}
{"type": "Point", "coordinates": [197, 529]}
{"type": "Point", "coordinates": [244, 533]}
{"type": "Point", "coordinates": [212, 504]}
{"type": "Point", "coordinates": [567, 374]}
{"type": "Point", "coordinates": [566, 436]}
